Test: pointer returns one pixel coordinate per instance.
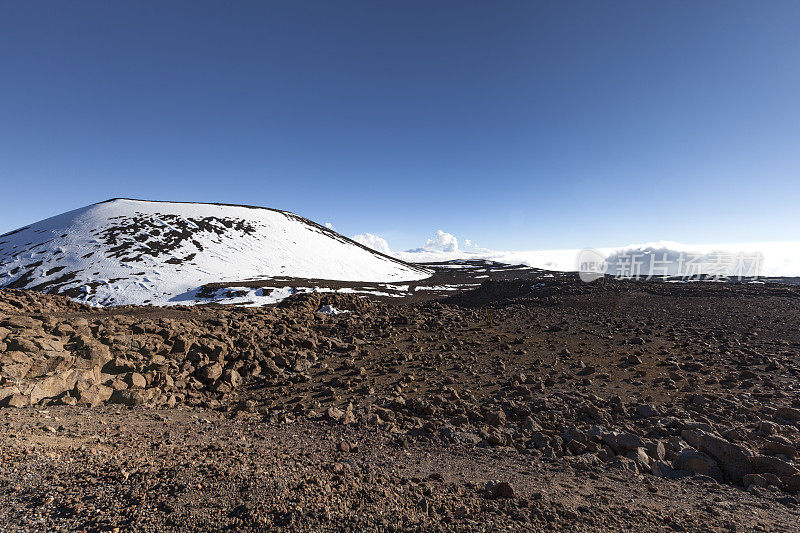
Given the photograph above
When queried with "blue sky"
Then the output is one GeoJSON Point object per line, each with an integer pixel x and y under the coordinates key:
{"type": "Point", "coordinates": [517, 124]}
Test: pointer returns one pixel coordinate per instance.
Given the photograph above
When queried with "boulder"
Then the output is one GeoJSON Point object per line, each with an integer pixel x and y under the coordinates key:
{"type": "Point", "coordinates": [79, 323]}
{"type": "Point", "coordinates": [691, 437]}
{"type": "Point", "coordinates": [119, 365]}
{"type": "Point", "coordinates": [334, 414]}
{"type": "Point", "coordinates": [611, 440]}
{"type": "Point", "coordinates": [629, 441]}
{"type": "Point", "coordinates": [640, 456]}
{"type": "Point", "coordinates": [181, 344]}
{"type": "Point", "coordinates": [94, 354]}
{"type": "Point", "coordinates": [301, 364]}
{"type": "Point", "coordinates": [772, 465]}
{"type": "Point", "coordinates": [128, 397]}
{"type": "Point", "coordinates": [496, 418]}
{"type": "Point", "coordinates": [623, 463]}
{"type": "Point", "coordinates": [271, 368]}
{"type": "Point", "coordinates": [53, 386]}
{"type": "Point", "coordinates": [698, 463]}
{"type": "Point", "coordinates": [503, 490]}
{"type": "Point", "coordinates": [656, 450]}
{"type": "Point", "coordinates": [765, 427]}
{"type": "Point", "coordinates": [15, 365]}
{"type": "Point", "coordinates": [646, 411]}
{"type": "Point", "coordinates": [17, 400]}
{"type": "Point", "coordinates": [793, 483]}
{"type": "Point", "coordinates": [21, 344]}
{"type": "Point", "coordinates": [660, 468]}
{"type": "Point", "coordinates": [733, 460]}
{"type": "Point", "coordinates": [754, 479]}
{"type": "Point", "coordinates": [211, 372]}
{"type": "Point", "coordinates": [788, 413]}
{"type": "Point", "coordinates": [52, 362]}
{"type": "Point", "coordinates": [232, 378]}
{"type": "Point", "coordinates": [95, 395]}
{"type": "Point", "coordinates": [135, 380]}
{"type": "Point", "coordinates": [20, 322]}
{"type": "Point", "coordinates": [7, 392]}
{"type": "Point", "coordinates": [87, 379]}
{"type": "Point", "coordinates": [775, 447]}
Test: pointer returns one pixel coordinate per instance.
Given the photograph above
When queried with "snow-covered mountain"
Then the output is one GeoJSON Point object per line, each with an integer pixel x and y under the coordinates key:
{"type": "Point", "coordinates": [126, 251]}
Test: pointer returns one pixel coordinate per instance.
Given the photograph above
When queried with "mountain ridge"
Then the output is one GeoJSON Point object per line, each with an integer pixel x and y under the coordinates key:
{"type": "Point", "coordinates": [133, 246]}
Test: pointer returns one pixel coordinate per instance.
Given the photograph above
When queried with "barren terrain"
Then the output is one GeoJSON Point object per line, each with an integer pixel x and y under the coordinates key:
{"type": "Point", "coordinates": [535, 403]}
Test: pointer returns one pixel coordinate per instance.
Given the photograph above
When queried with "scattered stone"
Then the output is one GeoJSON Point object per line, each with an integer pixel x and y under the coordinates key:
{"type": "Point", "coordinates": [503, 490]}
{"type": "Point", "coordinates": [646, 411]}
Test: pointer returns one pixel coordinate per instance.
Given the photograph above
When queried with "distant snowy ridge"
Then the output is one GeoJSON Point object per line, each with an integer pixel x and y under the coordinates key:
{"type": "Point", "coordinates": [125, 251]}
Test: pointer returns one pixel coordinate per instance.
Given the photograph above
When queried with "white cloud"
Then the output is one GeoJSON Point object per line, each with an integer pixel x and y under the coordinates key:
{"type": "Point", "coordinates": [777, 258]}
{"type": "Point", "coordinates": [373, 241]}
{"type": "Point", "coordinates": [329, 225]}
{"type": "Point", "coordinates": [442, 242]}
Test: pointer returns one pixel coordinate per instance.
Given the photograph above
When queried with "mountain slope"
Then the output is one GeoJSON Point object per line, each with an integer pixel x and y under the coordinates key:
{"type": "Point", "coordinates": [126, 251]}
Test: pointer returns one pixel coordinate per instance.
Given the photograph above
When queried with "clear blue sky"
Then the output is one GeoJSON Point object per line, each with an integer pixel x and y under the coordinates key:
{"type": "Point", "coordinates": [518, 124]}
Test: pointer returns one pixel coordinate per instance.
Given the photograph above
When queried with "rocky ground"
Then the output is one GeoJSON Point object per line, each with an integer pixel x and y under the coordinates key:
{"type": "Point", "coordinates": [523, 404]}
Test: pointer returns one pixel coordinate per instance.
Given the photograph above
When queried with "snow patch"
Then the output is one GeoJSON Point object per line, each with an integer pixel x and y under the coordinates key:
{"type": "Point", "coordinates": [331, 310]}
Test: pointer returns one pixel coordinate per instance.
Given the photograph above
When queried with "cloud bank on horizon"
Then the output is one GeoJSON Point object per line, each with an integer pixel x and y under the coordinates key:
{"type": "Point", "coordinates": [369, 240]}
{"type": "Point", "coordinates": [776, 258]}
